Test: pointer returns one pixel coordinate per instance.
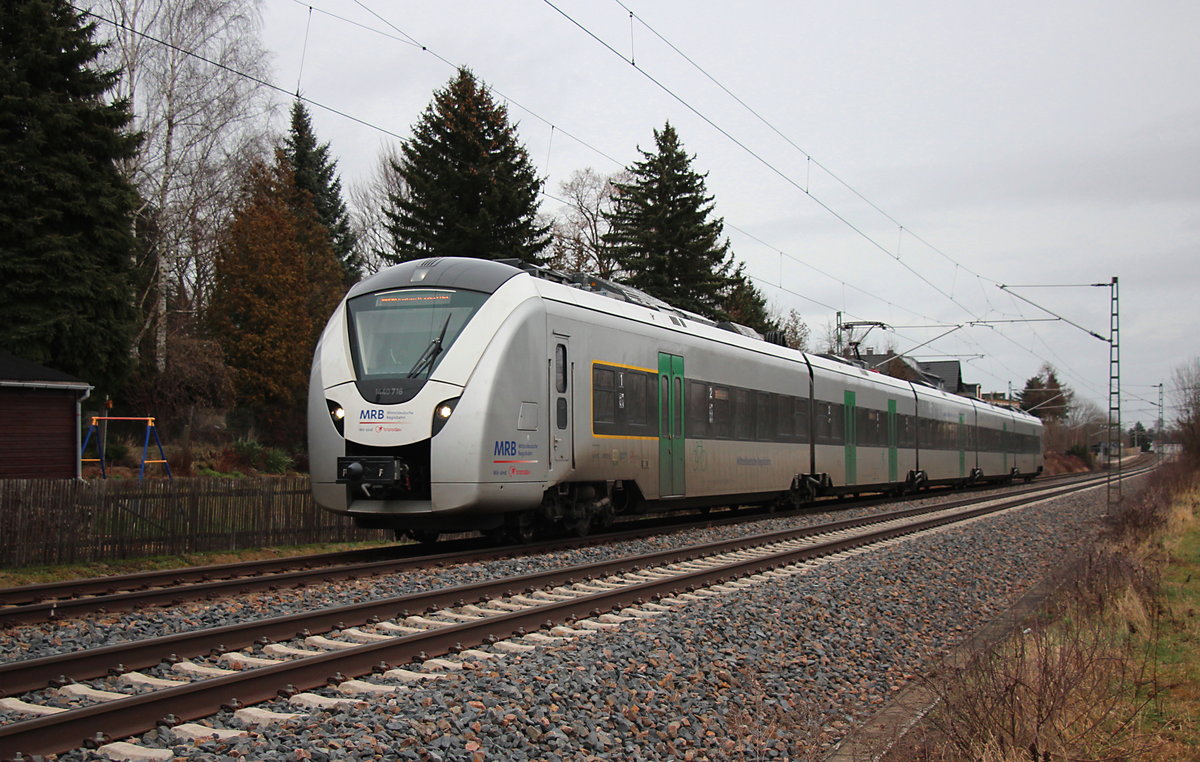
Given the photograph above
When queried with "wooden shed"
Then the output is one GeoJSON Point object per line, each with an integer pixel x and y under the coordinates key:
{"type": "Point", "coordinates": [39, 420]}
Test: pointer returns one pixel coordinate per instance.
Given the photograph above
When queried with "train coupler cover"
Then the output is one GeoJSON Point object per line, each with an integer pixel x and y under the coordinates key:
{"type": "Point", "coordinates": [371, 469]}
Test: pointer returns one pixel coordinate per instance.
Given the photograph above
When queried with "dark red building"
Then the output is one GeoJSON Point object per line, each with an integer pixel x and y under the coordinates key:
{"type": "Point", "coordinates": [39, 420]}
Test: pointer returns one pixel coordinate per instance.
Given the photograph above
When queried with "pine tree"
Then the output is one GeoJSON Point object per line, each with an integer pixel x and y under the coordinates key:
{"type": "Point", "coordinates": [316, 173]}
{"type": "Point", "coordinates": [66, 231]}
{"type": "Point", "coordinates": [662, 235]}
{"type": "Point", "coordinates": [275, 284]}
{"type": "Point", "coordinates": [471, 190]}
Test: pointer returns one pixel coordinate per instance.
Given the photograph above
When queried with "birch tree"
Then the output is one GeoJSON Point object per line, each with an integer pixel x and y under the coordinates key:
{"type": "Point", "coordinates": [183, 63]}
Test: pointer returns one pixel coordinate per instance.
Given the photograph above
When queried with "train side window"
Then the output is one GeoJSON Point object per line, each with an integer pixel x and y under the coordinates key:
{"type": "Point", "coordinates": [678, 423]}
{"type": "Point", "coordinates": [560, 368]}
{"type": "Point", "coordinates": [802, 420]}
{"type": "Point", "coordinates": [743, 414]}
{"type": "Point", "coordinates": [635, 399]}
{"type": "Point", "coordinates": [722, 412]}
{"type": "Point", "coordinates": [604, 394]}
{"type": "Point", "coordinates": [785, 423]}
{"type": "Point", "coordinates": [560, 407]}
{"type": "Point", "coordinates": [902, 430]}
{"type": "Point", "coordinates": [837, 423]}
{"type": "Point", "coordinates": [764, 414]}
{"type": "Point", "coordinates": [664, 406]}
{"type": "Point", "coordinates": [925, 434]}
{"type": "Point", "coordinates": [824, 425]}
{"type": "Point", "coordinates": [865, 419]}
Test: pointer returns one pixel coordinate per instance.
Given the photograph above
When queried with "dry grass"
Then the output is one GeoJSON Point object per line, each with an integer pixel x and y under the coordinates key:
{"type": "Point", "coordinates": [1110, 671]}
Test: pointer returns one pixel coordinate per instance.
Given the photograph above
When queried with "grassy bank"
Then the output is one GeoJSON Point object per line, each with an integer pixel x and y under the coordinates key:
{"type": "Point", "coordinates": [1110, 670]}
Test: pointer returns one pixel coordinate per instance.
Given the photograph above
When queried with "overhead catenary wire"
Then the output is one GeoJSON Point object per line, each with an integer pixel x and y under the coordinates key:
{"type": "Point", "coordinates": [755, 155]}
{"type": "Point", "coordinates": [409, 40]}
{"type": "Point", "coordinates": [808, 157]}
{"type": "Point", "coordinates": [805, 188]}
{"type": "Point", "coordinates": [809, 160]}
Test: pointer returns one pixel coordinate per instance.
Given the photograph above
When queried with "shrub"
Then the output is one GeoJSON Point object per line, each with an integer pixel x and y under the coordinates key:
{"type": "Point", "coordinates": [248, 451]}
{"type": "Point", "coordinates": [276, 461]}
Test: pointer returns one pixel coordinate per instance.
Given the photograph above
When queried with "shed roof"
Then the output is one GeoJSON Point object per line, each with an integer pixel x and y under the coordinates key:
{"type": "Point", "coordinates": [15, 371]}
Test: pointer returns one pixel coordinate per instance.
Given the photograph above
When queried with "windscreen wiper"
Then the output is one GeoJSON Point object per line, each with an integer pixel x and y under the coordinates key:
{"type": "Point", "coordinates": [424, 363]}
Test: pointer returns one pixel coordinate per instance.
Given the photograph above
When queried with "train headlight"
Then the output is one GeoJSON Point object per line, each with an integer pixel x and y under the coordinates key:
{"type": "Point", "coordinates": [442, 413]}
{"type": "Point", "coordinates": [338, 414]}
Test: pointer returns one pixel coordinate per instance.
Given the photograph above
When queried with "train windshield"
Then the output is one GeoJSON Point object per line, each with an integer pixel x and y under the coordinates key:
{"type": "Point", "coordinates": [405, 333]}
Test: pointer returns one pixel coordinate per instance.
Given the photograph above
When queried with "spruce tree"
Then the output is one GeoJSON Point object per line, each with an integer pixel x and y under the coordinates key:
{"type": "Point", "coordinates": [1046, 397]}
{"type": "Point", "coordinates": [316, 173]}
{"type": "Point", "coordinates": [470, 188]}
{"type": "Point", "coordinates": [743, 303]}
{"type": "Point", "coordinates": [662, 234]}
{"type": "Point", "coordinates": [66, 231]}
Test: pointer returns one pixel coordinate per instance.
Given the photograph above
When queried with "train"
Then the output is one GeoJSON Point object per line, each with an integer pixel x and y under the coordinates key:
{"type": "Point", "coordinates": [455, 394]}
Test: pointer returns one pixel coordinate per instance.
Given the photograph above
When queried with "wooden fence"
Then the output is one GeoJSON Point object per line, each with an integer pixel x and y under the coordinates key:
{"type": "Point", "coordinates": [61, 521]}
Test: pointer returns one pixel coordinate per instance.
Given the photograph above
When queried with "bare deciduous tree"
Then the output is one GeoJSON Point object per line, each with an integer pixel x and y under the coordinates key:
{"type": "Point", "coordinates": [1186, 396]}
{"type": "Point", "coordinates": [795, 331]}
{"type": "Point", "coordinates": [201, 121]}
{"type": "Point", "coordinates": [577, 244]}
{"type": "Point", "coordinates": [368, 199]}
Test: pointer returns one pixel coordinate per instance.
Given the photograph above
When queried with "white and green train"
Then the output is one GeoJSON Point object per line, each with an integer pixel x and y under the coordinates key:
{"type": "Point", "coordinates": [452, 394]}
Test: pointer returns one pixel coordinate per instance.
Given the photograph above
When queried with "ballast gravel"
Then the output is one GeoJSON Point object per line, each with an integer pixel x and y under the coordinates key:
{"type": "Point", "coordinates": [779, 670]}
{"type": "Point", "coordinates": [95, 630]}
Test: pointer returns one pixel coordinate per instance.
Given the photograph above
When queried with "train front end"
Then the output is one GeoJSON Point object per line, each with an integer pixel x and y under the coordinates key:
{"type": "Point", "coordinates": [398, 419]}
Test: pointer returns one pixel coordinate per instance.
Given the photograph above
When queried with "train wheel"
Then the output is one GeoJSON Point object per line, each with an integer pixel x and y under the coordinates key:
{"type": "Point", "coordinates": [604, 516]}
{"type": "Point", "coordinates": [578, 527]}
{"type": "Point", "coordinates": [424, 536]}
{"type": "Point", "coordinates": [521, 527]}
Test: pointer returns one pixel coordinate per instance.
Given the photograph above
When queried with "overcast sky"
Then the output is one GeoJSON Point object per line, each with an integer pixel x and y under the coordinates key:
{"type": "Point", "coordinates": [914, 155]}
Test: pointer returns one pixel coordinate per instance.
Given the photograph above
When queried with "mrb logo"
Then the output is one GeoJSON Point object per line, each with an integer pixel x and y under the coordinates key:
{"type": "Point", "coordinates": [370, 415]}
{"type": "Point", "coordinates": [505, 449]}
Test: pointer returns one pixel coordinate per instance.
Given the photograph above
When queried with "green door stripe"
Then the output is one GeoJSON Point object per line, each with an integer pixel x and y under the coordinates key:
{"type": "Point", "coordinates": [851, 437]}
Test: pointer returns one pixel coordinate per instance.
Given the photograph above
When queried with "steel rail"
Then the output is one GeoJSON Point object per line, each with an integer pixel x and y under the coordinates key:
{"type": "Point", "coordinates": [124, 717]}
{"type": "Point", "coordinates": [31, 604]}
{"type": "Point", "coordinates": [33, 674]}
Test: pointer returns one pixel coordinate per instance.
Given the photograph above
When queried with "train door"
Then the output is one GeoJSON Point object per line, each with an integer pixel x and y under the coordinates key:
{"type": "Point", "coordinates": [850, 431]}
{"type": "Point", "coordinates": [670, 425]}
{"type": "Point", "coordinates": [562, 445]}
{"type": "Point", "coordinates": [893, 440]}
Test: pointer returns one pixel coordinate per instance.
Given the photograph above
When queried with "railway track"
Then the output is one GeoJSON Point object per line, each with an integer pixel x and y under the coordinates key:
{"type": "Point", "coordinates": [384, 637]}
{"type": "Point", "coordinates": [30, 604]}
